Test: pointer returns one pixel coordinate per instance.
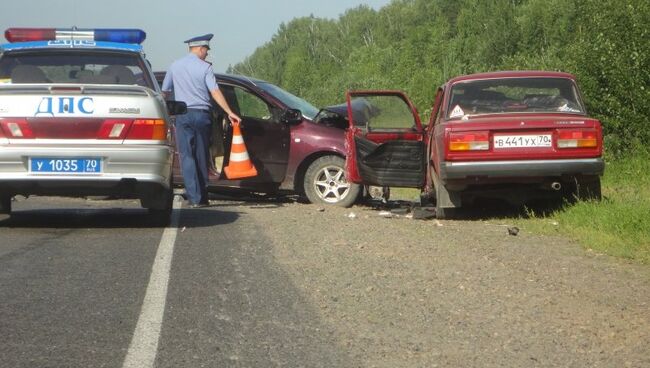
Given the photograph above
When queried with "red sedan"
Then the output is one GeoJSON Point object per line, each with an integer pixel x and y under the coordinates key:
{"type": "Point", "coordinates": [516, 136]}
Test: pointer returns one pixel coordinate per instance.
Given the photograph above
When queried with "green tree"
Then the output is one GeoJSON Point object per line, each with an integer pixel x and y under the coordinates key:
{"type": "Point", "coordinates": [416, 45]}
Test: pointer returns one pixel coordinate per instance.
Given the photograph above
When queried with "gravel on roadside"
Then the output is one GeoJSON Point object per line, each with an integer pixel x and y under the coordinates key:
{"type": "Point", "coordinates": [399, 292]}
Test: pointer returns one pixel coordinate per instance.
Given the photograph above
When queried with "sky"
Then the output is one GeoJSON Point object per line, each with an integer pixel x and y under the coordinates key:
{"type": "Point", "coordinates": [239, 26]}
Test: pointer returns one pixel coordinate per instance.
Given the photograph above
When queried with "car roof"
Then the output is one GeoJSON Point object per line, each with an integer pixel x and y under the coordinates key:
{"type": "Point", "coordinates": [512, 74]}
{"type": "Point", "coordinates": [238, 78]}
{"type": "Point", "coordinates": [222, 77]}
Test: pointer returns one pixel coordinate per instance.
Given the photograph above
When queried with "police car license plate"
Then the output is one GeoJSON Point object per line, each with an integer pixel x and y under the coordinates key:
{"type": "Point", "coordinates": [522, 141]}
{"type": "Point", "coordinates": [49, 165]}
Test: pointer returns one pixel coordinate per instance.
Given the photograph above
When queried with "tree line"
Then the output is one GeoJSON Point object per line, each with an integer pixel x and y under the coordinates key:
{"type": "Point", "coordinates": [416, 45]}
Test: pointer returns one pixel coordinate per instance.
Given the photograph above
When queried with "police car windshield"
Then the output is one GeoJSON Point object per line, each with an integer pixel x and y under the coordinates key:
{"type": "Point", "coordinates": [293, 102]}
{"type": "Point", "coordinates": [74, 66]}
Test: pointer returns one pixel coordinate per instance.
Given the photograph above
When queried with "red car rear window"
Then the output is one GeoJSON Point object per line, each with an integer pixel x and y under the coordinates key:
{"type": "Point", "coordinates": [514, 95]}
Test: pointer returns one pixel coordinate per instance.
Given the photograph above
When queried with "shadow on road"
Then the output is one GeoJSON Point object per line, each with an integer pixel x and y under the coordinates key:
{"type": "Point", "coordinates": [482, 209]}
{"type": "Point", "coordinates": [110, 218]}
{"type": "Point", "coordinates": [253, 200]}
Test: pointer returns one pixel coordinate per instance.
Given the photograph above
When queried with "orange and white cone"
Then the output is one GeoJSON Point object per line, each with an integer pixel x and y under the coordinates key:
{"type": "Point", "coordinates": [239, 165]}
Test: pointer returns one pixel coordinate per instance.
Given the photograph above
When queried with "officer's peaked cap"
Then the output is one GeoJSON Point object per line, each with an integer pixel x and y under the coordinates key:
{"type": "Point", "coordinates": [200, 40]}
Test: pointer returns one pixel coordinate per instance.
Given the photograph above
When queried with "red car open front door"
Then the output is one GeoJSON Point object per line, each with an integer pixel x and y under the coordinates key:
{"type": "Point", "coordinates": [385, 142]}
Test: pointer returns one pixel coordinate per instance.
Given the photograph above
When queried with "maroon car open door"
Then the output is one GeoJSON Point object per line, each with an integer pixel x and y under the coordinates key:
{"type": "Point", "coordinates": [385, 142]}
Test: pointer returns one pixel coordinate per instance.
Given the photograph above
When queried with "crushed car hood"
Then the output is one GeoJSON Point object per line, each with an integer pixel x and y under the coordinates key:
{"type": "Point", "coordinates": [337, 115]}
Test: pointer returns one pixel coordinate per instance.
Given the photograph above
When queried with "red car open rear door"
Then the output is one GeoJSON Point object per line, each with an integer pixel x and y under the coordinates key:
{"type": "Point", "coordinates": [385, 141]}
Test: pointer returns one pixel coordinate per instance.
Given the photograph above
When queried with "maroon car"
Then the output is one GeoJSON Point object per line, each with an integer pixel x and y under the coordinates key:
{"type": "Point", "coordinates": [291, 152]}
{"type": "Point", "coordinates": [515, 136]}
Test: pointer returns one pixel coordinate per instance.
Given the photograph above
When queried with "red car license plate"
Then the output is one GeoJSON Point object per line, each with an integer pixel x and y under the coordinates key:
{"type": "Point", "coordinates": [522, 141]}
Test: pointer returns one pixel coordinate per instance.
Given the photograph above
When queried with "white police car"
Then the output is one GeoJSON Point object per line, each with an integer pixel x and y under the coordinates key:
{"type": "Point", "coordinates": [81, 114]}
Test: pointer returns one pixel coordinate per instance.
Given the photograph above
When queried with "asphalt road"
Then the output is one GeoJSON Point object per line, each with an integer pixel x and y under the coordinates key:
{"type": "Point", "coordinates": [71, 283]}
{"type": "Point", "coordinates": [74, 274]}
{"type": "Point", "coordinates": [282, 284]}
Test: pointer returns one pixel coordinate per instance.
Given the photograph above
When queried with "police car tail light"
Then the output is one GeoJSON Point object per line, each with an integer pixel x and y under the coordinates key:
{"type": "Point", "coordinates": [577, 138]}
{"type": "Point", "coordinates": [154, 129]}
{"type": "Point", "coordinates": [114, 129]}
{"type": "Point", "coordinates": [16, 128]}
{"type": "Point", "coordinates": [136, 36]}
{"type": "Point", "coordinates": [469, 141]}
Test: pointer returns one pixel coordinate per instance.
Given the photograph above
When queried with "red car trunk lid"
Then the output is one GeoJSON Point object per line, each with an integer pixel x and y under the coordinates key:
{"type": "Point", "coordinates": [523, 137]}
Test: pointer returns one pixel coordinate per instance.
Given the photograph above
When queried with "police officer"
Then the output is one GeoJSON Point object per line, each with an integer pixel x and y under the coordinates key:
{"type": "Point", "coordinates": [191, 79]}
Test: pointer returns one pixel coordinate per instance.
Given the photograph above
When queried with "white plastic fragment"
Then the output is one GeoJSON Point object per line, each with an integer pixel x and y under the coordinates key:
{"type": "Point", "coordinates": [386, 214]}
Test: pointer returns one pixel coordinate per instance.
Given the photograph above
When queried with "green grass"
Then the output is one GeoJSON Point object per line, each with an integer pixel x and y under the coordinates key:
{"type": "Point", "coordinates": [405, 194]}
{"type": "Point", "coordinates": [619, 225]}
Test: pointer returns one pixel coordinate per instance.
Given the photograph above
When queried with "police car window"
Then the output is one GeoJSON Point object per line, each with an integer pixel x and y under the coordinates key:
{"type": "Point", "coordinates": [251, 105]}
{"type": "Point", "coordinates": [74, 67]}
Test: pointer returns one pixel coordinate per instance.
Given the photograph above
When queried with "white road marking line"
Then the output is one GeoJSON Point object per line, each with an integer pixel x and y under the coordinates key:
{"type": "Point", "coordinates": [144, 345]}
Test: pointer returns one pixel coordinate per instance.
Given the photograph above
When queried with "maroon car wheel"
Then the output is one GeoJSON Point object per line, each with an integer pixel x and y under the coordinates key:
{"type": "Point", "coordinates": [325, 183]}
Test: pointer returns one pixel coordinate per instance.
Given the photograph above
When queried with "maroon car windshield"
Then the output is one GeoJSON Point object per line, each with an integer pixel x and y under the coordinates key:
{"type": "Point", "coordinates": [514, 95]}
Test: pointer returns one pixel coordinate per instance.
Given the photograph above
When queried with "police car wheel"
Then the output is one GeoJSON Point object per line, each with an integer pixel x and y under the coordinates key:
{"type": "Point", "coordinates": [160, 217]}
{"type": "Point", "coordinates": [5, 204]}
{"type": "Point", "coordinates": [160, 214]}
{"type": "Point", "coordinates": [159, 205]}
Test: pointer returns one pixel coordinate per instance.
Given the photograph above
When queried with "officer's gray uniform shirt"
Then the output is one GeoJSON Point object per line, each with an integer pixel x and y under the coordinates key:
{"type": "Point", "coordinates": [191, 79]}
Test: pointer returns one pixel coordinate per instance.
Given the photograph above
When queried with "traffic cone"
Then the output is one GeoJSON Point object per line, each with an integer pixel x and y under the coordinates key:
{"type": "Point", "coordinates": [240, 165]}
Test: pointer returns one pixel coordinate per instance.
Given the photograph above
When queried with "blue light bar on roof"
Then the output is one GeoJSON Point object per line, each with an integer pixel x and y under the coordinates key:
{"type": "Point", "coordinates": [121, 35]}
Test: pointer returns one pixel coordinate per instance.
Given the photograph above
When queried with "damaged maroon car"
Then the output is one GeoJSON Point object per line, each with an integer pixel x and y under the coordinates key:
{"type": "Point", "coordinates": [516, 136]}
{"type": "Point", "coordinates": [295, 147]}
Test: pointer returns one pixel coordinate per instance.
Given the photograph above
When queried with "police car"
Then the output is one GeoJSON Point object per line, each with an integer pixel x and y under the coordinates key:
{"type": "Point", "coordinates": [81, 114]}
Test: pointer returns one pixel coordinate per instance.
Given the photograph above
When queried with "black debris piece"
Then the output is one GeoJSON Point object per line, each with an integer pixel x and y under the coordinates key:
{"type": "Point", "coordinates": [513, 231]}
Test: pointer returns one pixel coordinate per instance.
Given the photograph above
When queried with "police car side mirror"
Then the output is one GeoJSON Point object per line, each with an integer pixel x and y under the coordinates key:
{"type": "Point", "coordinates": [176, 107]}
{"type": "Point", "coordinates": [292, 116]}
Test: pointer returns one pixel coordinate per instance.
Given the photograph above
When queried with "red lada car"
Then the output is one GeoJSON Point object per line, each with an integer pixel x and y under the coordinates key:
{"type": "Point", "coordinates": [291, 152]}
{"type": "Point", "coordinates": [515, 136]}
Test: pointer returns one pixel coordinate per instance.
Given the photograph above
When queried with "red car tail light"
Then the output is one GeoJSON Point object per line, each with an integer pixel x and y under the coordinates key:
{"type": "Point", "coordinates": [154, 129]}
{"type": "Point", "coordinates": [469, 141]}
{"type": "Point", "coordinates": [15, 128]}
{"type": "Point", "coordinates": [577, 138]}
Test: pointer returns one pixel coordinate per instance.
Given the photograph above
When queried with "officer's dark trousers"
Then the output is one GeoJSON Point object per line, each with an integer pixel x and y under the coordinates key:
{"type": "Point", "coordinates": [193, 142]}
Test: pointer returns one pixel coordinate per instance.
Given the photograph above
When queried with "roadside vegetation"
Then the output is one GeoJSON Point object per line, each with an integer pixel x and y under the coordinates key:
{"type": "Point", "coordinates": [618, 225]}
{"type": "Point", "coordinates": [416, 45]}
